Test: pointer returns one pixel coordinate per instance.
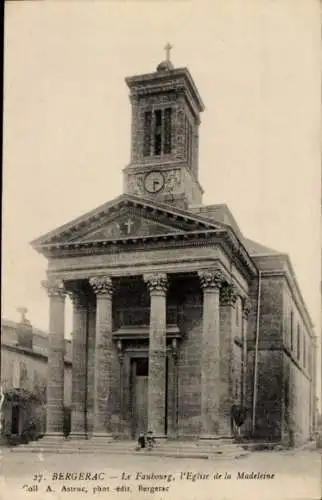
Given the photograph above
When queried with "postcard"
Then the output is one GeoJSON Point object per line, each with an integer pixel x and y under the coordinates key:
{"type": "Point", "coordinates": [161, 329]}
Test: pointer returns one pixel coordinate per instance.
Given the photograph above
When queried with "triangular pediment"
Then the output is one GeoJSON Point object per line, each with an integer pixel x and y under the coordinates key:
{"type": "Point", "coordinates": [129, 225]}
{"type": "Point", "coordinates": [127, 216]}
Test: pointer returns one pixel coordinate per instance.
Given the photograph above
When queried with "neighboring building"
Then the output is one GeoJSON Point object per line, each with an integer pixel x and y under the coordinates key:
{"type": "Point", "coordinates": [24, 379]}
{"type": "Point", "coordinates": [166, 296]}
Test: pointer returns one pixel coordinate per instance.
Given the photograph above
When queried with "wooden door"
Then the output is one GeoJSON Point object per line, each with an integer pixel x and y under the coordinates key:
{"type": "Point", "coordinates": [139, 395]}
{"type": "Point", "coordinates": [141, 404]}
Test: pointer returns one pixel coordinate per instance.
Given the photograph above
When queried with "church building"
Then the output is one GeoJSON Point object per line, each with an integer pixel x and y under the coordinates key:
{"type": "Point", "coordinates": [178, 317]}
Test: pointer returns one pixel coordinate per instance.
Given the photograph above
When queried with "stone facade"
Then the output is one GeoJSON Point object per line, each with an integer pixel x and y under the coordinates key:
{"type": "Point", "coordinates": [179, 320]}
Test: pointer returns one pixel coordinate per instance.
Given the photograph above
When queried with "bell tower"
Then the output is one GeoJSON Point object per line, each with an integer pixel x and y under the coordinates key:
{"type": "Point", "coordinates": [166, 109]}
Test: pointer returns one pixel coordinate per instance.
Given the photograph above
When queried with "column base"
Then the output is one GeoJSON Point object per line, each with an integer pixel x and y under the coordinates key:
{"type": "Point", "coordinates": [54, 436]}
{"type": "Point", "coordinates": [215, 437]}
{"type": "Point", "coordinates": [78, 435]}
{"type": "Point", "coordinates": [160, 436]}
{"type": "Point", "coordinates": [173, 435]}
{"type": "Point", "coordinates": [102, 437]}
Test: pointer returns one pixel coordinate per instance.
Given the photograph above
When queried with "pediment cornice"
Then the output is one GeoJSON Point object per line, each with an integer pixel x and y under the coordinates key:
{"type": "Point", "coordinates": [174, 228]}
{"type": "Point", "coordinates": [163, 214]}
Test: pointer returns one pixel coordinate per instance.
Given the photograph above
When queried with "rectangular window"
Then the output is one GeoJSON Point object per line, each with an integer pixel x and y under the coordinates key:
{"type": "Point", "coordinates": [147, 133]}
{"type": "Point", "coordinates": [298, 346]}
{"type": "Point", "coordinates": [167, 131]}
{"type": "Point", "coordinates": [157, 132]}
{"type": "Point", "coordinates": [310, 360]}
{"type": "Point", "coordinates": [291, 331]}
{"type": "Point", "coordinates": [186, 129]}
{"type": "Point", "coordinates": [190, 146]}
{"type": "Point", "coordinates": [237, 313]}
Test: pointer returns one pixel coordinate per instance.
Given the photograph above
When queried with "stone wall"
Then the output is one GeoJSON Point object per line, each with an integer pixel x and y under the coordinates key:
{"type": "Point", "coordinates": [284, 394]}
{"type": "Point", "coordinates": [296, 424]}
{"type": "Point", "coordinates": [270, 358]}
{"type": "Point", "coordinates": [23, 371]}
{"type": "Point", "coordinates": [298, 388]}
{"type": "Point", "coordinates": [269, 393]}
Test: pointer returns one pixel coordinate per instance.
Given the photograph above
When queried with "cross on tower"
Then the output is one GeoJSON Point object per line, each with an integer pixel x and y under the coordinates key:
{"type": "Point", "coordinates": [167, 49]}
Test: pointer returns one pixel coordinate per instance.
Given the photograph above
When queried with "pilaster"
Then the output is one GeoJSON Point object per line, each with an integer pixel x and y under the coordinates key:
{"type": "Point", "coordinates": [211, 282]}
{"type": "Point", "coordinates": [157, 285]}
{"type": "Point", "coordinates": [174, 402]}
{"type": "Point", "coordinates": [102, 286]}
{"type": "Point", "coordinates": [245, 313]}
{"type": "Point", "coordinates": [121, 388]}
{"type": "Point", "coordinates": [56, 351]}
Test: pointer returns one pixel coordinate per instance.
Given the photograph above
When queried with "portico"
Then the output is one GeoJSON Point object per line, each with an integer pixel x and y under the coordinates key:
{"type": "Point", "coordinates": [135, 380]}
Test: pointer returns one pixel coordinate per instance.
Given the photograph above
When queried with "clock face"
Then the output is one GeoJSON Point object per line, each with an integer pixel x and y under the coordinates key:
{"type": "Point", "coordinates": [154, 182]}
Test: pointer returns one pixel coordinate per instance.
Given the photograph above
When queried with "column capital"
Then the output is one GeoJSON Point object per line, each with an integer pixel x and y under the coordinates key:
{"type": "Point", "coordinates": [156, 282]}
{"type": "Point", "coordinates": [211, 278]}
{"type": "Point", "coordinates": [245, 306]}
{"type": "Point", "coordinates": [102, 285]}
{"type": "Point", "coordinates": [54, 287]}
{"type": "Point", "coordinates": [78, 297]}
{"type": "Point", "coordinates": [228, 294]}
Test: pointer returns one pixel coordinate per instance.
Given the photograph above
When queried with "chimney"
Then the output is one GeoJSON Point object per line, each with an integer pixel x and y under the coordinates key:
{"type": "Point", "coordinates": [24, 331]}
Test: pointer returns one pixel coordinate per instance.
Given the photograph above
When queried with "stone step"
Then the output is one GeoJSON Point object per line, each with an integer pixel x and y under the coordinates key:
{"type": "Point", "coordinates": [154, 452]}
{"type": "Point", "coordinates": [166, 449]}
{"type": "Point", "coordinates": [127, 446]}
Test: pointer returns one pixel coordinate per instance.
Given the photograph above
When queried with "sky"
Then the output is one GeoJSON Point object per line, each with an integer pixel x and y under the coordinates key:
{"type": "Point", "coordinates": [257, 66]}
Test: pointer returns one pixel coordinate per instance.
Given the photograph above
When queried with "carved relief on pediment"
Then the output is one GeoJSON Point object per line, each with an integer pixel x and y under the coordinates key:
{"type": "Point", "coordinates": [120, 227]}
{"type": "Point", "coordinates": [127, 226]}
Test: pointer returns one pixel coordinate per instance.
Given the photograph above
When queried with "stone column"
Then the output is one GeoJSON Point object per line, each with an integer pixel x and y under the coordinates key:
{"type": "Point", "coordinates": [90, 364]}
{"type": "Point", "coordinates": [174, 356]}
{"type": "Point", "coordinates": [245, 312]}
{"type": "Point", "coordinates": [157, 285]}
{"type": "Point", "coordinates": [102, 286]}
{"type": "Point", "coordinates": [228, 299]}
{"type": "Point", "coordinates": [121, 389]}
{"type": "Point", "coordinates": [211, 281]}
{"type": "Point", "coordinates": [56, 352]}
{"type": "Point", "coordinates": [79, 345]}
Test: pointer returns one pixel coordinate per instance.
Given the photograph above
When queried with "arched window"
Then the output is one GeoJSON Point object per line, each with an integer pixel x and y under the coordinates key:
{"type": "Point", "coordinates": [147, 133]}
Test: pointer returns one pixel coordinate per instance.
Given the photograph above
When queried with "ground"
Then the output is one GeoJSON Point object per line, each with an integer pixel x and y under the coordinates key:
{"type": "Point", "coordinates": [32, 475]}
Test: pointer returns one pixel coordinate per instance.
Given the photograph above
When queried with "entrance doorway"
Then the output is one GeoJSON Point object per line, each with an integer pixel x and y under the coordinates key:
{"type": "Point", "coordinates": [140, 377]}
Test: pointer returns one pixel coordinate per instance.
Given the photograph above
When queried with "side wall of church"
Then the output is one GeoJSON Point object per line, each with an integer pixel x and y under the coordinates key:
{"type": "Point", "coordinates": [284, 392]}
{"type": "Point", "coordinates": [296, 422]}
{"type": "Point", "coordinates": [298, 396]}
{"type": "Point", "coordinates": [270, 358]}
